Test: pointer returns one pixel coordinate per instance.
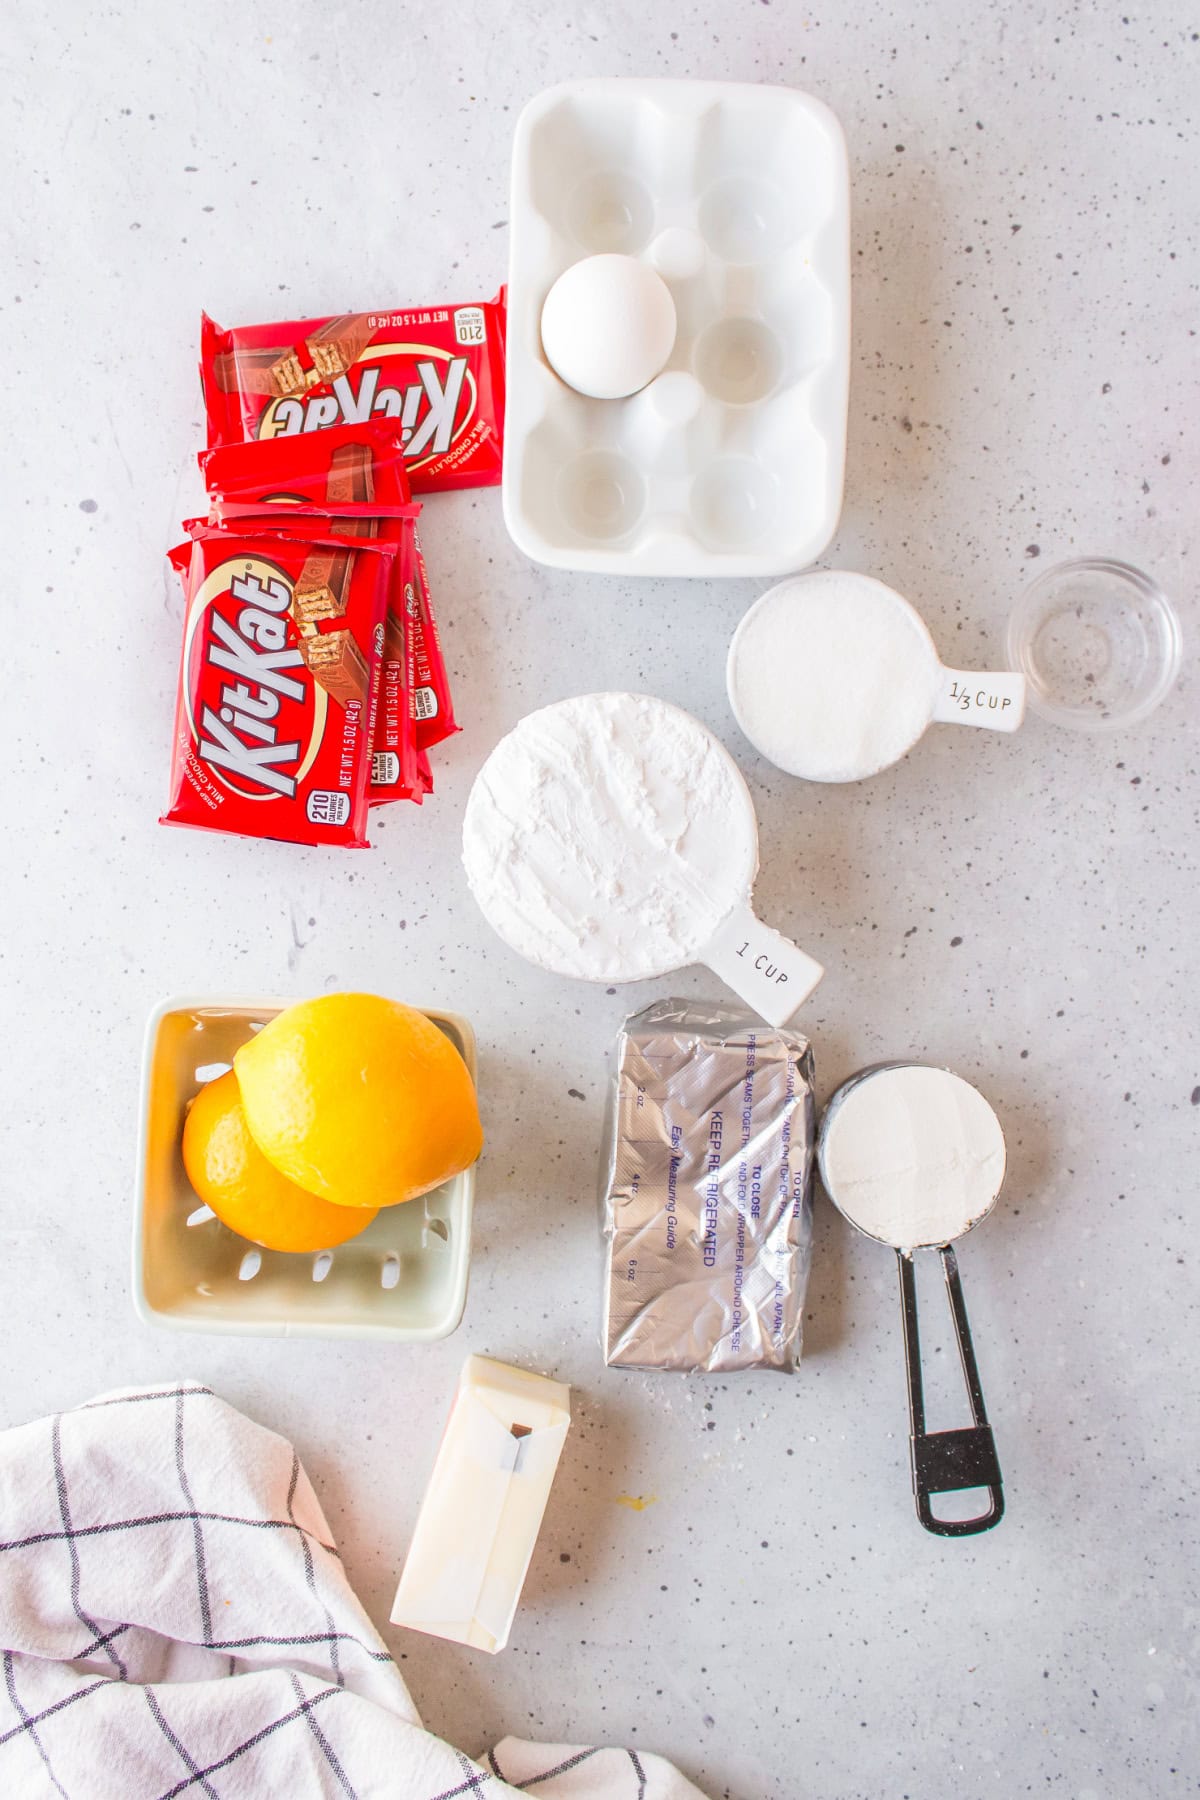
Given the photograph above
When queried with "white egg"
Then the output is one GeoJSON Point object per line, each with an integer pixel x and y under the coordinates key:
{"type": "Point", "coordinates": [608, 326]}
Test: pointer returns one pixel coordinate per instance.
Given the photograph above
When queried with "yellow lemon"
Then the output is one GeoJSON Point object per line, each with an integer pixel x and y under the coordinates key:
{"type": "Point", "coordinates": [231, 1174]}
{"type": "Point", "coordinates": [359, 1099]}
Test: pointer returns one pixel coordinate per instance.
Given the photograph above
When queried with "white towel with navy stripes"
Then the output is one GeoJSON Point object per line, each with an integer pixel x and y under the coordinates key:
{"type": "Point", "coordinates": [175, 1621]}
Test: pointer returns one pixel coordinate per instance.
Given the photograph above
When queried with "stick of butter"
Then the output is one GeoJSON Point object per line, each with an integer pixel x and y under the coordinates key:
{"type": "Point", "coordinates": [483, 1507]}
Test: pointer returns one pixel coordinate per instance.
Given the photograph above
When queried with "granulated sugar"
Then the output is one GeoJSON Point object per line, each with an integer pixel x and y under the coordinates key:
{"type": "Point", "coordinates": [832, 676]}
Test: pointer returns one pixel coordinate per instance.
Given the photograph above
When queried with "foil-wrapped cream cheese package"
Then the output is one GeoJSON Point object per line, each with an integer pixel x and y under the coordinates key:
{"type": "Point", "coordinates": [706, 1190]}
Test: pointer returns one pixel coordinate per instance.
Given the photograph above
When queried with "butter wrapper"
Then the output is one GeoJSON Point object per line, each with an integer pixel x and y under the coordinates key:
{"type": "Point", "coordinates": [706, 1191]}
{"type": "Point", "coordinates": [480, 1517]}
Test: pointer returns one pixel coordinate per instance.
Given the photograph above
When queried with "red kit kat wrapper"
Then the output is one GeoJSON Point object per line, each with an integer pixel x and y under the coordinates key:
{"type": "Point", "coordinates": [251, 485]}
{"type": "Point", "coordinates": [278, 687]}
{"type": "Point", "coordinates": [436, 373]}
{"type": "Point", "coordinates": [399, 769]}
{"type": "Point", "coordinates": [354, 474]}
{"type": "Point", "coordinates": [348, 482]}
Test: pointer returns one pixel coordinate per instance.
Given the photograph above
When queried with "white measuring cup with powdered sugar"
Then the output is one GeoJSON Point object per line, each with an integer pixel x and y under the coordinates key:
{"type": "Point", "coordinates": [834, 676]}
{"type": "Point", "coordinates": [611, 837]}
{"type": "Point", "coordinates": [914, 1157]}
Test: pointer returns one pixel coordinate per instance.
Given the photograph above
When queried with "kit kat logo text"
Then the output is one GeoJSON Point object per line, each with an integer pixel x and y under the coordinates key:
{"type": "Point", "coordinates": [257, 720]}
{"type": "Point", "coordinates": [434, 410]}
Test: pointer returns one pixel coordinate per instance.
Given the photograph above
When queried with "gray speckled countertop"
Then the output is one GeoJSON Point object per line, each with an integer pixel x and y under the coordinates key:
{"type": "Point", "coordinates": [1025, 243]}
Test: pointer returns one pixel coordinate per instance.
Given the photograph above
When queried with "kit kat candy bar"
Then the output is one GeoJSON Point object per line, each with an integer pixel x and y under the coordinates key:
{"type": "Point", "coordinates": [351, 479]}
{"type": "Point", "coordinates": [350, 475]}
{"type": "Point", "coordinates": [339, 344]}
{"type": "Point", "coordinates": [289, 376]}
{"type": "Point", "coordinates": [335, 661]}
{"type": "Point", "coordinates": [303, 377]}
{"type": "Point", "coordinates": [322, 588]}
{"type": "Point", "coordinates": [272, 371]}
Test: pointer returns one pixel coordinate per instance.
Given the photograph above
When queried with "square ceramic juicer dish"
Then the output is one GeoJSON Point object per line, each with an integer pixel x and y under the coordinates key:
{"type": "Point", "coordinates": [730, 462]}
{"type": "Point", "coordinates": [404, 1277]}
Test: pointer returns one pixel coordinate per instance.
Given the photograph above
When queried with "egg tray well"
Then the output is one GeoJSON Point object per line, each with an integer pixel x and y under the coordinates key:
{"type": "Point", "coordinates": [404, 1277]}
{"type": "Point", "coordinates": [731, 461]}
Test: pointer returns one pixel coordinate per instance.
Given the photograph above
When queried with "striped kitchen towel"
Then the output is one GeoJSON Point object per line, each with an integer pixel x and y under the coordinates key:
{"type": "Point", "coordinates": [175, 1620]}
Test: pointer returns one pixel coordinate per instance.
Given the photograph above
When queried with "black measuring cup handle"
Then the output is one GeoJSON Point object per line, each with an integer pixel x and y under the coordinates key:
{"type": "Point", "coordinates": [945, 1462]}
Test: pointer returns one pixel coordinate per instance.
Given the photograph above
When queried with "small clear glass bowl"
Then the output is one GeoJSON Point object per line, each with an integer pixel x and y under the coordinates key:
{"type": "Point", "coordinates": [1098, 643]}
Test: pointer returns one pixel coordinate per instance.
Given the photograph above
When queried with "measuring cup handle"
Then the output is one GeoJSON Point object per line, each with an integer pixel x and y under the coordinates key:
{"type": "Point", "coordinates": [945, 1462]}
{"type": "Point", "coordinates": [996, 700]}
{"type": "Point", "coordinates": [761, 965]}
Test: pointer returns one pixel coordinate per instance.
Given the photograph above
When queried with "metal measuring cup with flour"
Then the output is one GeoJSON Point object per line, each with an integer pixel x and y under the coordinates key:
{"type": "Point", "coordinates": [914, 1158]}
{"type": "Point", "coordinates": [611, 837]}
{"type": "Point", "coordinates": [834, 676]}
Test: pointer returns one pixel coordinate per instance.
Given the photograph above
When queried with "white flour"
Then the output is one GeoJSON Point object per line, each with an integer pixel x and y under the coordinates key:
{"type": "Point", "coordinates": [912, 1156]}
{"type": "Point", "coordinates": [832, 676]}
{"type": "Point", "coordinates": [608, 836]}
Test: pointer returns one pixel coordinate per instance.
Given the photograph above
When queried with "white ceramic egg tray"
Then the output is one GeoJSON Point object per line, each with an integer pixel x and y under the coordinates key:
{"type": "Point", "coordinates": [404, 1277]}
{"type": "Point", "coordinates": [731, 461]}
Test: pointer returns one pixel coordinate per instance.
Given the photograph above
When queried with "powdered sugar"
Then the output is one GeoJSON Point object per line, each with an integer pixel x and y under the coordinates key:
{"type": "Point", "coordinates": [608, 836]}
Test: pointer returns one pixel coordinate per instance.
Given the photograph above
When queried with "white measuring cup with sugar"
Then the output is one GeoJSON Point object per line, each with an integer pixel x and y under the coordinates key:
{"type": "Point", "coordinates": [914, 1158]}
{"type": "Point", "coordinates": [834, 676]}
{"type": "Point", "coordinates": [611, 837]}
